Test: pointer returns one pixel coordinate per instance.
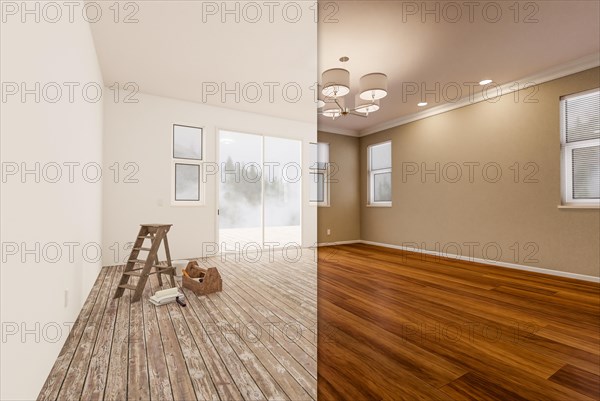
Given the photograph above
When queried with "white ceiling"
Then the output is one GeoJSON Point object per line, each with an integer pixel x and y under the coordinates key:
{"type": "Point", "coordinates": [378, 36]}
{"type": "Point", "coordinates": [179, 49]}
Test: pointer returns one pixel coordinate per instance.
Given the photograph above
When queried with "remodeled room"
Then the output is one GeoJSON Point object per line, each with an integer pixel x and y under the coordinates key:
{"type": "Point", "coordinates": [300, 200]}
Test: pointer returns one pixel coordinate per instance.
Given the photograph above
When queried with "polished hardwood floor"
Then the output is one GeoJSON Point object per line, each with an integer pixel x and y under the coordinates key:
{"type": "Point", "coordinates": [255, 340]}
{"type": "Point", "coordinates": [395, 325]}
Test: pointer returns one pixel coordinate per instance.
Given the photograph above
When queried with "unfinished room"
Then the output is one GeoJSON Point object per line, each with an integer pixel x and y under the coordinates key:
{"type": "Point", "coordinates": [300, 200]}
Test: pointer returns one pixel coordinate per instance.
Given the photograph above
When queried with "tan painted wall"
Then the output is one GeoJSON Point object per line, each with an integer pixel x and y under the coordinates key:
{"type": "Point", "coordinates": [343, 215]}
{"type": "Point", "coordinates": [505, 215]}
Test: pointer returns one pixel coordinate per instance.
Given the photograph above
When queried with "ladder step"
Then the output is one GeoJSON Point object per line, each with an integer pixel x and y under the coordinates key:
{"type": "Point", "coordinates": [128, 286]}
{"type": "Point", "coordinates": [153, 232]}
{"type": "Point", "coordinates": [138, 272]}
{"type": "Point", "coordinates": [164, 270]}
{"type": "Point", "coordinates": [135, 272]}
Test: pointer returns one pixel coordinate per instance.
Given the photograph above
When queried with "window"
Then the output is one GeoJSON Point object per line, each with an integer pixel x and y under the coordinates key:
{"type": "Point", "coordinates": [187, 159]}
{"type": "Point", "coordinates": [319, 174]}
{"type": "Point", "coordinates": [380, 174]}
{"type": "Point", "coordinates": [580, 148]}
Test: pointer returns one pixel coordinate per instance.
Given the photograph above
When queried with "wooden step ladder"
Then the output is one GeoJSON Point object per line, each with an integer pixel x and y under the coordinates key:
{"type": "Point", "coordinates": [156, 233]}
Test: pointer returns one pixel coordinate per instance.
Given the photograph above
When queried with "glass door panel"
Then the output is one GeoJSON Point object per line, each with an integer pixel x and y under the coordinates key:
{"type": "Point", "coordinates": [282, 175]}
{"type": "Point", "coordinates": [240, 191]}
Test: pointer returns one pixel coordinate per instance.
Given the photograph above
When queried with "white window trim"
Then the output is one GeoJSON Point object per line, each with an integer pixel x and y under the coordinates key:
{"type": "Point", "coordinates": [199, 163]}
{"type": "Point", "coordinates": [326, 181]}
{"type": "Point", "coordinates": [371, 176]}
{"type": "Point", "coordinates": [566, 160]}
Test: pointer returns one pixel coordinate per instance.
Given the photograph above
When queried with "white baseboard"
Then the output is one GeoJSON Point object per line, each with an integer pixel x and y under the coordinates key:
{"type": "Point", "coordinates": [490, 262]}
{"type": "Point", "coordinates": [354, 241]}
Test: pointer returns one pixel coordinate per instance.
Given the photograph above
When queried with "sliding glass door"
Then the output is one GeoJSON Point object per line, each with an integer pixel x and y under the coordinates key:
{"type": "Point", "coordinates": [282, 191]}
{"type": "Point", "coordinates": [240, 190]}
{"type": "Point", "coordinates": [259, 192]}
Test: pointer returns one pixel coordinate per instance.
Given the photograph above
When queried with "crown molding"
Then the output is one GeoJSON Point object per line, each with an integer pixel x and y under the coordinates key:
{"type": "Point", "coordinates": [336, 130]}
{"type": "Point", "coordinates": [563, 70]}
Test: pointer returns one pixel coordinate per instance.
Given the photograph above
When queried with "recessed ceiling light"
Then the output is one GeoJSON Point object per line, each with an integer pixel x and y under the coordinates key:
{"type": "Point", "coordinates": [485, 82]}
{"type": "Point", "coordinates": [422, 104]}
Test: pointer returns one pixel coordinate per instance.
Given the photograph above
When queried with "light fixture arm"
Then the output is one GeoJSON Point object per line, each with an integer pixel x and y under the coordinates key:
{"type": "Point", "coordinates": [346, 110]}
{"type": "Point", "coordinates": [336, 84]}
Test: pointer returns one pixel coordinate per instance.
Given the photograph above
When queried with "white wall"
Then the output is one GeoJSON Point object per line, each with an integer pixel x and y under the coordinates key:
{"type": "Point", "coordinates": [33, 293]}
{"type": "Point", "coordinates": [140, 133]}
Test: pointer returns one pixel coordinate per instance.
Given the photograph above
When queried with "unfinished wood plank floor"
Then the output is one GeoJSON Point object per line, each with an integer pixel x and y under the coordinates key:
{"type": "Point", "coordinates": [397, 325]}
{"type": "Point", "coordinates": [255, 340]}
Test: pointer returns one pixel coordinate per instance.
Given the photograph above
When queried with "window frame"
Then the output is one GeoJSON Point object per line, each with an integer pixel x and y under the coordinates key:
{"type": "Point", "coordinates": [321, 171]}
{"type": "Point", "coordinates": [371, 202]}
{"type": "Point", "coordinates": [566, 157]}
{"type": "Point", "coordinates": [187, 161]}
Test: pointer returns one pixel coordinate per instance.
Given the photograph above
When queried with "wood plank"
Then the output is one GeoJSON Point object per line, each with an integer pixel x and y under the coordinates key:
{"type": "Point", "coordinates": [272, 283]}
{"type": "Point", "coordinates": [372, 294]}
{"type": "Point", "coordinates": [181, 384]}
{"type": "Point", "coordinates": [198, 372]}
{"type": "Point", "coordinates": [218, 371]}
{"type": "Point", "coordinates": [473, 387]}
{"type": "Point", "coordinates": [289, 312]}
{"type": "Point", "coordinates": [96, 377]}
{"type": "Point", "coordinates": [116, 381]}
{"type": "Point", "coordinates": [78, 368]}
{"type": "Point", "coordinates": [302, 363]}
{"type": "Point", "coordinates": [377, 379]}
{"type": "Point", "coordinates": [268, 385]}
{"type": "Point", "coordinates": [138, 384]}
{"type": "Point", "coordinates": [284, 317]}
{"type": "Point", "coordinates": [394, 348]}
{"type": "Point", "coordinates": [216, 331]}
{"type": "Point", "coordinates": [136, 351]}
{"type": "Point", "coordinates": [265, 296]}
{"type": "Point", "coordinates": [56, 377]}
{"type": "Point", "coordinates": [368, 297]}
{"type": "Point", "coordinates": [579, 380]}
{"type": "Point", "coordinates": [158, 374]}
{"type": "Point", "coordinates": [261, 344]}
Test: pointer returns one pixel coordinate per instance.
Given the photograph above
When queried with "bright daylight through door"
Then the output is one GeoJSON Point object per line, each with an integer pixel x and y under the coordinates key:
{"type": "Point", "coordinates": [259, 191]}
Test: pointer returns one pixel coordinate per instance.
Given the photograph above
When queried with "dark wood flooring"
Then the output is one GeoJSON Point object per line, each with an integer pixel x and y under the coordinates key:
{"type": "Point", "coordinates": [395, 325]}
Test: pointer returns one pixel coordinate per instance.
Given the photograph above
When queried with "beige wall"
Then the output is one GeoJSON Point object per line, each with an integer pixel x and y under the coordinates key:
{"type": "Point", "coordinates": [342, 216]}
{"type": "Point", "coordinates": [503, 215]}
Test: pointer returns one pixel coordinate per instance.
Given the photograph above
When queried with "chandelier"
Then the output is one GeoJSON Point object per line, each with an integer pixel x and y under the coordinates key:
{"type": "Point", "coordinates": [335, 84]}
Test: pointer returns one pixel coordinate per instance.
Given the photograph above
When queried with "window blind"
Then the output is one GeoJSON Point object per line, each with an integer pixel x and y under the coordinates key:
{"type": "Point", "coordinates": [319, 155]}
{"type": "Point", "coordinates": [380, 173]}
{"type": "Point", "coordinates": [582, 115]}
{"type": "Point", "coordinates": [381, 156]}
{"type": "Point", "coordinates": [581, 147]}
{"type": "Point", "coordinates": [586, 172]}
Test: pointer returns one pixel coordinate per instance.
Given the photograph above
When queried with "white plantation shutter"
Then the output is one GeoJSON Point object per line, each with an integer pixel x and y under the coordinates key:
{"type": "Point", "coordinates": [580, 122]}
